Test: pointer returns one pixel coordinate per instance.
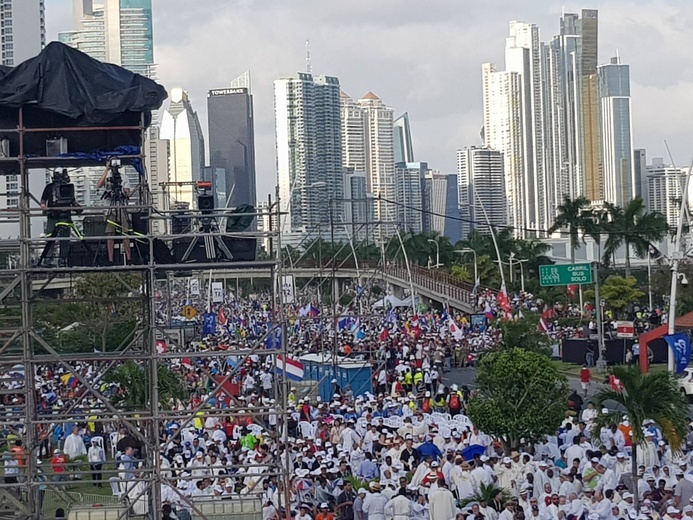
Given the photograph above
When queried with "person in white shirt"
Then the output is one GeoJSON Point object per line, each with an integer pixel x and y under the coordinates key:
{"type": "Point", "coordinates": [74, 444]}
{"type": "Point", "coordinates": [96, 458]}
{"type": "Point", "coordinates": [399, 507]}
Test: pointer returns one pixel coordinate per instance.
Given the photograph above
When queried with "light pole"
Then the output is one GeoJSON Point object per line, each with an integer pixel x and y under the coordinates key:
{"type": "Point", "coordinates": [437, 252]}
{"type": "Point", "coordinates": [476, 265]}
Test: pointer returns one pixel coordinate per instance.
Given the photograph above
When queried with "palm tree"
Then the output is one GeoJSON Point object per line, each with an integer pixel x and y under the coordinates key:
{"type": "Point", "coordinates": [634, 228]}
{"type": "Point", "coordinates": [654, 396]}
{"type": "Point", "coordinates": [133, 380]}
{"type": "Point", "coordinates": [570, 216]}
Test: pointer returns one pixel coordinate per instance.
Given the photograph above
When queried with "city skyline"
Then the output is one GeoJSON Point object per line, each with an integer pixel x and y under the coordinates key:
{"type": "Point", "coordinates": [443, 102]}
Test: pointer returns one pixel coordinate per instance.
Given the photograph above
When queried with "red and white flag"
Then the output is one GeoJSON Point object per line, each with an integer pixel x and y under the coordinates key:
{"type": "Point", "coordinates": [503, 301]}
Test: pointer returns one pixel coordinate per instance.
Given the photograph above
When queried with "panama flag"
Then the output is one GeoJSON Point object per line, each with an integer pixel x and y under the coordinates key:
{"type": "Point", "coordinates": [313, 311]}
{"type": "Point", "coordinates": [503, 302]}
{"type": "Point", "coordinates": [294, 369]}
{"type": "Point", "coordinates": [161, 346]}
{"type": "Point", "coordinates": [455, 331]}
{"type": "Point", "coordinates": [488, 312]}
{"type": "Point", "coordinates": [546, 316]}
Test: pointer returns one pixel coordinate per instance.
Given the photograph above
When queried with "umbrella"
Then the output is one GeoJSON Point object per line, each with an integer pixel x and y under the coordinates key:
{"type": "Point", "coordinates": [473, 450]}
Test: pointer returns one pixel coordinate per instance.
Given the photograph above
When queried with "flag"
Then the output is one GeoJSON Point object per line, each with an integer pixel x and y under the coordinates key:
{"type": "Point", "coordinates": [209, 324]}
{"type": "Point", "coordinates": [391, 316]}
{"type": "Point", "coordinates": [476, 285]}
{"type": "Point", "coordinates": [343, 322]}
{"type": "Point", "coordinates": [313, 310]}
{"type": "Point", "coordinates": [384, 334]}
{"type": "Point", "coordinates": [546, 315]}
{"type": "Point", "coordinates": [222, 316]}
{"type": "Point", "coordinates": [273, 341]}
{"type": "Point", "coordinates": [161, 346]}
{"type": "Point", "coordinates": [454, 329]}
{"type": "Point", "coordinates": [503, 301]}
{"type": "Point", "coordinates": [294, 368]}
{"type": "Point", "coordinates": [681, 345]}
{"type": "Point", "coordinates": [572, 290]}
{"type": "Point", "coordinates": [488, 312]}
{"type": "Point", "coordinates": [304, 311]}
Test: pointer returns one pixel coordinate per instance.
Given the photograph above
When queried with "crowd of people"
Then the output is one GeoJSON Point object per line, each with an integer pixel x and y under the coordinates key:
{"type": "Point", "coordinates": [404, 450]}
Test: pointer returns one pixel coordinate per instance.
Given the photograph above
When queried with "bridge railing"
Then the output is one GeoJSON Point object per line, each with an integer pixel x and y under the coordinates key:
{"type": "Point", "coordinates": [436, 282]}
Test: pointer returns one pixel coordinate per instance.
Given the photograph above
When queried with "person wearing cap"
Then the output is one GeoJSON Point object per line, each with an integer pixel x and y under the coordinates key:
{"type": "Point", "coordinates": [462, 479]}
{"type": "Point", "coordinates": [508, 476]}
{"type": "Point", "coordinates": [304, 512]}
{"type": "Point", "coordinates": [683, 490]}
{"type": "Point", "coordinates": [359, 514]}
{"type": "Point", "coordinates": [374, 504]}
{"type": "Point", "coordinates": [590, 476]}
{"type": "Point", "coordinates": [671, 513]}
{"type": "Point", "coordinates": [647, 452]}
{"type": "Point", "coordinates": [324, 512]}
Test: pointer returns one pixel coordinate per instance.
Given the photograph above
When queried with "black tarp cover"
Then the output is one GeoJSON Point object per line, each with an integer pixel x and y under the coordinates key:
{"type": "Point", "coordinates": [65, 81]}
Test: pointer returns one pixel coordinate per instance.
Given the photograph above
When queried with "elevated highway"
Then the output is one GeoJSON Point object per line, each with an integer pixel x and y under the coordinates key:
{"type": "Point", "coordinates": [431, 285]}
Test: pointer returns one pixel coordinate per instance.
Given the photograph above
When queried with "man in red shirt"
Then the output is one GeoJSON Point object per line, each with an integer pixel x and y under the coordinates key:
{"type": "Point", "coordinates": [59, 465]}
{"type": "Point", "coordinates": [585, 376]}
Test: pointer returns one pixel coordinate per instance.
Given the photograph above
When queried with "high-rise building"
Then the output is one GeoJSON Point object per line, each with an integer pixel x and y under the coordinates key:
{"type": "Point", "coordinates": [404, 148]}
{"type": "Point", "coordinates": [409, 185]}
{"type": "Point", "coordinates": [640, 173]}
{"type": "Point", "coordinates": [232, 139]}
{"type": "Point", "coordinates": [158, 174]}
{"type": "Point", "coordinates": [617, 134]}
{"type": "Point", "coordinates": [503, 131]}
{"type": "Point", "coordinates": [440, 205]}
{"type": "Point", "coordinates": [181, 127]}
{"type": "Point", "coordinates": [481, 189]}
{"type": "Point", "coordinates": [357, 210]}
{"type": "Point", "coordinates": [309, 152]}
{"type": "Point", "coordinates": [114, 31]}
{"type": "Point", "coordinates": [664, 187]}
{"type": "Point", "coordinates": [368, 146]}
{"type": "Point", "coordinates": [23, 30]}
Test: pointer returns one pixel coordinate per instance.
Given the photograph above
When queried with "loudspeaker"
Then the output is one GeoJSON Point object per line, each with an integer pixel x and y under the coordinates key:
{"type": "Point", "coordinates": [79, 257]}
{"type": "Point", "coordinates": [94, 227]}
{"type": "Point", "coordinates": [139, 222]}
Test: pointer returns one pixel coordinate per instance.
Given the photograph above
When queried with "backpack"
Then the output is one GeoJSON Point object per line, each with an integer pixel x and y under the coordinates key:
{"type": "Point", "coordinates": [455, 401]}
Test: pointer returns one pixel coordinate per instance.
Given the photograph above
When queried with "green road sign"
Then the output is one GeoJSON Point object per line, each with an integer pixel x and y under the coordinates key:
{"type": "Point", "coordinates": [565, 274]}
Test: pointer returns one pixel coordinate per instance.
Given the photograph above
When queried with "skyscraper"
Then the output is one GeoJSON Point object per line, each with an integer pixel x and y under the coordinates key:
{"type": "Point", "coordinates": [664, 187]}
{"type": "Point", "coordinates": [368, 146]}
{"type": "Point", "coordinates": [309, 152]}
{"type": "Point", "coordinates": [114, 31]}
{"type": "Point", "coordinates": [503, 131]}
{"type": "Point", "coordinates": [181, 127]}
{"type": "Point", "coordinates": [232, 139]}
{"type": "Point", "coordinates": [640, 173]}
{"type": "Point", "coordinates": [481, 188]}
{"type": "Point", "coordinates": [440, 205]}
{"type": "Point", "coordinates": [409, 186]}
{"type": "Point", "coordinates": [23, 30]}
{"type": "Point", "coordinates": [591, 156]}
{"type": "Point", "coordinates": [617, 133]}
{"type": "Point", "coordinates": [404, 148]}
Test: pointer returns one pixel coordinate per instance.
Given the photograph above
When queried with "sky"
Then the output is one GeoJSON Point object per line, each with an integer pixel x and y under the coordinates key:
{"type": "Point", "coordinates": [419, 56]}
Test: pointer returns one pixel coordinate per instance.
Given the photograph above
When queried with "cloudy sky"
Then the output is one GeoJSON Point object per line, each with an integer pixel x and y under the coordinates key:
{"type": "Point", "coordinates": [419, 56]}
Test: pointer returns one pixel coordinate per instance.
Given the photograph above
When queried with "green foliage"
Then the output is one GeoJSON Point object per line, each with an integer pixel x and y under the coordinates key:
{"type": "Point", "coordinates": [486, 493]}
{"type": "Point", "coordinates": [619, 292]}
{"type": "Point", "coordinates": [520, 395]}
{"type": "Point", "coordinates": [654, 395]}
{"type": "Point", "coordinates": [571, 217]}
{"type": "Point", "coordinates": [634, 228]}
{"type": "Point", "coordinates": [523, 334]}
{"type": "Point", "coordinates": [133, 379]}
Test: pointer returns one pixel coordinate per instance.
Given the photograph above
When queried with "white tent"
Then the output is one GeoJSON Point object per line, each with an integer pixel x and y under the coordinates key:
{"type": "Point", "coordinates": [392, 301]}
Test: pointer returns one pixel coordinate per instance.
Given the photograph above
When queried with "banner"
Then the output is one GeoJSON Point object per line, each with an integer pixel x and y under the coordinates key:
{"type": "Point", "coordinates": [681, 346]}
{"type": "Point", "coordinates": [479, 321]}
{"type": "Point", "coordinates": [194, 287]}
{"type": "Point", "coordinates": [217, 292]}
{"type": "Point", "coordinates": [288, 292]}
{"type": "Point", "coordinates": [209, 324]}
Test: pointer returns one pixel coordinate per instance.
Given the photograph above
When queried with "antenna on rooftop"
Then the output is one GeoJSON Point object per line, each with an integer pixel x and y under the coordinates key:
{"type": "Point", "coordinates": [309, 65]}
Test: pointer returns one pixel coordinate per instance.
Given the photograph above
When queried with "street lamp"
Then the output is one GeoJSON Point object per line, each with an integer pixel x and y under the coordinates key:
{"type": "Point", "coordinates": [476, 265]}
{"type": "Point", "coordinates": [522, 270]}
{"type": "Point", "coordinates": [437, 252]}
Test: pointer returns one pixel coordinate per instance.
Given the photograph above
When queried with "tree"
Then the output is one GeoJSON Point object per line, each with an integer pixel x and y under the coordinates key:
{"type": "Point", "coordinates": [571, 217]}
{"type": "Point", "coordinates": [619, 292]}
{"type": "Point", "coordinates": [520, 395]}
{"type": "Point", "coordinates": [133, 381]}
{"type": "Point", "coordinates": [486, 493]}
{"type": "Point", "coordinates": [653, 396]}
{"type": "Point", "coordinates": [634, 228]}
{"type": "Point", "coordinates": [524, 334]}
{"type": "Point", "coordinates": [488, 271]}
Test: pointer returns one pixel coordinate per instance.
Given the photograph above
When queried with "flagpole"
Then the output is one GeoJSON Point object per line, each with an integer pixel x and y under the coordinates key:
{"type": "Point", "coordinates": [406, 261]}
{"type": "Point", "coordinates": [493, 237]}
{"type": "Point", "coordinates": [209, 293]}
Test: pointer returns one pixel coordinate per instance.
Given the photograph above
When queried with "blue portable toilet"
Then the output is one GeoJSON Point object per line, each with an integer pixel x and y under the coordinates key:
{"type": "Point", "coordinates": [322, 369]}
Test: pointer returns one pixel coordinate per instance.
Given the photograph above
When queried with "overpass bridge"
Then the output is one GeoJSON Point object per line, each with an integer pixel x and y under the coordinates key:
{"type": "Point", "coordinates": [431, 285]}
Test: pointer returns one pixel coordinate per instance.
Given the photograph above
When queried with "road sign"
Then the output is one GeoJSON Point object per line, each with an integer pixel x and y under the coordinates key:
{"type": "Point", "coordinates": [217, 292]}
{"type": "Point", "coordinates": [625, 329]}
{"type": "Point", "coordinates": [288, 292]}
{"type": "Point", "coordinates": [189, 312]}
{"type": "Point", "coordinates": [565, 274]}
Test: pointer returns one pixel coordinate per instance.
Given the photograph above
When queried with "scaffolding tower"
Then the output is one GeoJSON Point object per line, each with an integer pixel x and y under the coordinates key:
{"type": "Point", "coordinates": [33, 360]}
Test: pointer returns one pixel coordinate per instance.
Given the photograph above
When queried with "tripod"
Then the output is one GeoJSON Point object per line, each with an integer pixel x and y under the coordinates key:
{"type": "Point", "coordinates": [209, 225]}
{"type": "Point", "coordinates": [64, 228]}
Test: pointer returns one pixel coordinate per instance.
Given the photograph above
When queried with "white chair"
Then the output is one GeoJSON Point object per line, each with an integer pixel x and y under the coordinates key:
{"type": "Point", "coordinates": [113, 437]}
{"type": "Point", "coordinates": [99, 441]}
{"type": "Point", "coordinates": [306, 429]}
{"type": "Point", "coordinates": [115, 487]}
